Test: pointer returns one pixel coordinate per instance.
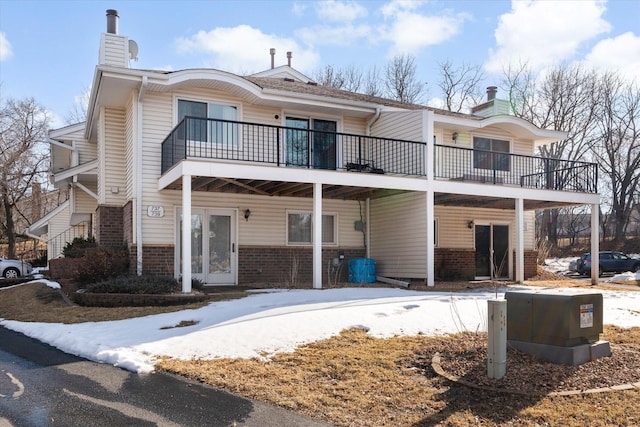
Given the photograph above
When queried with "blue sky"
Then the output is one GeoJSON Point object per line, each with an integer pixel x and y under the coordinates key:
{"type": "Point", "coordinates": [49, 49]}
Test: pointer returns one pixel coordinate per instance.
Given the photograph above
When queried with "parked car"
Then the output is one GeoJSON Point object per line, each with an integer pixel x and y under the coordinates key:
{"type": "Point", "coordinates": [610, 262]}
{"type": "Point", "coordinates": [11, 268]}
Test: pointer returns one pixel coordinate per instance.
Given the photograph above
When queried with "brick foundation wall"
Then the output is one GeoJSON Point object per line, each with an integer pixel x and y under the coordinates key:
{"type": "Point", "coordinates": [156, 260]}
{"type": "Point", "coordinates": [454, 264]}
{"type": "Point", "coordinates": [109, 226]}
{"type": "Point", "coordinates": [259, 264]}
{"type": "Point", "coordinates": [127, 223]}
{"type": "Point", "coordinates": [530, 263]}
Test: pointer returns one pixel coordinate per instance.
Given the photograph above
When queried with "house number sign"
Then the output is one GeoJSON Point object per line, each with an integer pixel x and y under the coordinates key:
{"type": "Point", "coordinates": [155, 211]}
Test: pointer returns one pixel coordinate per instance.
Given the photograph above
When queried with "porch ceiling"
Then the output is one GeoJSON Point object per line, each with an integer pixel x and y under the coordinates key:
{"type": "Point", "coordinates": [475, 201]}
{"type": "Point", "coordinates": [281, 188]}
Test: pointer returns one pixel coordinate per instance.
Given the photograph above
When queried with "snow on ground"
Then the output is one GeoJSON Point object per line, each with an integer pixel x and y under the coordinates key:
{"type": "Point", "coordinates": [562, 266]}
{"type": "Point", "coordinates": [281, 320]}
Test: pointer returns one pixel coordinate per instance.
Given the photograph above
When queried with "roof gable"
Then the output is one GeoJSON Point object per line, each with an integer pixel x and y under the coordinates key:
{"type": "Point", "coordinates": [284, 72]}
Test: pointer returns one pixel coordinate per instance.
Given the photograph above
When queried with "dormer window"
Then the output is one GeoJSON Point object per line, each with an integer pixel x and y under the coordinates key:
{"type": "Point", "coordinates": [491, 154]}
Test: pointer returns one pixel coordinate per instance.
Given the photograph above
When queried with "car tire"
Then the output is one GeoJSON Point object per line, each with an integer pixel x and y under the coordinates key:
{"type": "Point", "coordinates": [11, 273]}
{"type": "Point", "coordinates": [635, 268]}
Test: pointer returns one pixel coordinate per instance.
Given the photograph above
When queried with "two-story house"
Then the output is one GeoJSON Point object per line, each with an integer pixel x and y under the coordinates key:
{"type": "Point", "coordinates": [285, 180]}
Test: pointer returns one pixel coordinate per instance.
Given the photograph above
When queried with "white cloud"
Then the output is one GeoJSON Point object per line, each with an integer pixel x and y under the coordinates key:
{"type": "Point", "coordinates": [543, 33]}
{"type": "Point", "coordinates": [411, 32]}
{"type": "Point", "coordinates": [5, 48]}
{"type": "Point", "coordinates": [396, 6]}
{"type": "Point", "coordinates": [621, 54]}
{"type": "Point", "coordinates": [340, 11]}
{"type": "Point", "coordinates": [340, 36]}
{"type": "Point", "coordinates": [245, 48]}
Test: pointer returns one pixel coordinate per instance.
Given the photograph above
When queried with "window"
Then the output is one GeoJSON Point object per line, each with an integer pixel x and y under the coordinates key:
{"type": "Point", "coordinates": [300, 231]}
{"type": "Point", "coordinates": [491, 154]}
{"type": "Point", "coordinates": [217, 130]}
{"type": "Point", "coordinates": [311, 143]}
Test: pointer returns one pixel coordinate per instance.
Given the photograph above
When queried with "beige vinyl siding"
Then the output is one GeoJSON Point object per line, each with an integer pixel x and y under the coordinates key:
{"type": "Point", "coordinates": [403, 125]}
{"type": "Point", "coordinates": [453, 230]}
{"type": "Point", "coordinates": [354, 125]}
{"type": "Point", "coordinates": [398, 235]}
{"type": "Point", "coordinates": [56, 226]}
{"type": "Point", "coordinates": [156, 125]}
{"type": "Point", "coordinates": [87, 151]}
{"type": "Point", "coordinates": [130, 144]}
{"type": "Point", "coordinates": [398, 231]}
{"type": "Point", "coordinates": [114, 50]}
{"type": "Point", "coordinates": [83, 202]}
{"type": "Point", "coordinates": [114, 157]}
{"type": "Point", "coordinates": [267, 224]}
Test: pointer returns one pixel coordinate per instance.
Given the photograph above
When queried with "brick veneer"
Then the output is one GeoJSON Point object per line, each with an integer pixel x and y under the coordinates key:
{"type": "Point", "coordinates": [127, 222]}
{"type": "Point", "coordinates": [109, 226]}
{"type": "Point", "coordinates": [156, 260]}
{"type": "Point", "coordinates": [530, 263]}
{"type": "Point", "coordinates": [259, 264]}
{"type": "Point", "coordinates": [454, 264]}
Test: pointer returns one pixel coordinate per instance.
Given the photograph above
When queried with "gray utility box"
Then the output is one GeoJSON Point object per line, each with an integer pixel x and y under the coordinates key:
{"type": "Point", "coordinates": [554, 319]}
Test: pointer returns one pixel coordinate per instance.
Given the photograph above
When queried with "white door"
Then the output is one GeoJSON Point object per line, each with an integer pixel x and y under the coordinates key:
{"type": "Point", "coordinates": [213, 245]}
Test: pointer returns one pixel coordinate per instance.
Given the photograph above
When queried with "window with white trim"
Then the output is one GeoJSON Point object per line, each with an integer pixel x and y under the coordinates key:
{"type": "Point", "coordinates": [491, 154]}
{"type": "Point", "coordinates": [300, 228]}
{"type": "Point", "coordinates": [219, 130]}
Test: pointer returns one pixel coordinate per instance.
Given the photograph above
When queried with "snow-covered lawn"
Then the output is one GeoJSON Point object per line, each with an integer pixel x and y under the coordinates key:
{"type": "Point", "coordinates": [280, 320]}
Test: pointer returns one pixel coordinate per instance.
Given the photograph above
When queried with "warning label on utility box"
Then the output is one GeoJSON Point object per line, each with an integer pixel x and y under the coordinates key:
{"type": "Point", "coordinates": [586, 315]}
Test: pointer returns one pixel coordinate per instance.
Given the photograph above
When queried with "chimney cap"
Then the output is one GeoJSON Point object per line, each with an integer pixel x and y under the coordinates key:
{"type": "Point", "coordinates": [491, 92]}
{"type": "Point", "coordinates": [112, 21]}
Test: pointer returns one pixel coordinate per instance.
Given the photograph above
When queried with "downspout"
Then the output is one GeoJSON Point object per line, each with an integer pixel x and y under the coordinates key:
{"type": "Point", "coordinates": [138, 210]}
{"type": "Point", "coordinates": [367, 248]}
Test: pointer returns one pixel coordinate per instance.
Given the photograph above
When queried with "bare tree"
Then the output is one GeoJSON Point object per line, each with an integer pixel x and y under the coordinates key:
{"type": "Point", "coordinates": [617, 147]}
{"type": "Point", "coordinates": [23, 160]}
{"type": "Point", "coordinates": [401, 81]}
{"type": "Point", "coordinates": [350, 78]}
{"type": "Point", "coordinates": [460, 85]}
{"type": "Point", "coordinates": [329, 76]}
{"type": "Point", "coordinates": [565, 99]}
{"type": "Point", "coordinates": [78, 113]}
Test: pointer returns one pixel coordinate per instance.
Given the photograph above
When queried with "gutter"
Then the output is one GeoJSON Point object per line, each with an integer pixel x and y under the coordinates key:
{"type": "Point", "coordinates": [33, 236]}
{"type": "Point", "coordinates": [138, 210]}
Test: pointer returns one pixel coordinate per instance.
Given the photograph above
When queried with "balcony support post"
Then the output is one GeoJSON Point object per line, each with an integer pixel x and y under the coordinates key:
{"type": "Point", "coordinates": [595, 243]}
{"type": "Point", "coordinates": [317, 235]}
{"type": "Point", "coordinates": [431, 247]}
{"type": "Point", "coordinates": [519, 240]}
{"type": "Point", "coordinates": [186, 233]}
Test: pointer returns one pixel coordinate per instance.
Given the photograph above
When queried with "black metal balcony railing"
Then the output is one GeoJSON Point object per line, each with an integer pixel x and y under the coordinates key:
{"type": "Point", "coordinates": [467, 164]}
{"type": "Point", "coordinates": [314, 149]}
{"type": "Point", "coordinates": [287, 146]}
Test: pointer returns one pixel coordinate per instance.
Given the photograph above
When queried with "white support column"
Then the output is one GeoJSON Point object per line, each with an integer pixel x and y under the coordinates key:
{"type": "Point", "coordinates": [429, 159]}
{"type": "Point", "coordinates": [317, 235]}
{"type": "Point", "coordinates": [595, 243]}
{"type": "Point", "coordinates": [186, 233]}
{"type": "Point", "coordinates": [367, 227]}
{"type": "Point", "coordinates": [519, 240]}
{"type": "Point", "coordinates": [431, 232]}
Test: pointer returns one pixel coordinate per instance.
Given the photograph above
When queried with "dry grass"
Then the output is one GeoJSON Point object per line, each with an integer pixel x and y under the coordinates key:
{"type": "Point", "coordinates": [356, 380]}
{"type": "Point", "coordinates": [40, 303]}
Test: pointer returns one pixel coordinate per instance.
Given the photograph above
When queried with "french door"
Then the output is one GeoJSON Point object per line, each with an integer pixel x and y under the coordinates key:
{"type": "Point", "coordinates": [213, 245]}
{"type": "Point", "coordinates": [492, 251]}
{"type": "Point", "coordinates": [310, 143]}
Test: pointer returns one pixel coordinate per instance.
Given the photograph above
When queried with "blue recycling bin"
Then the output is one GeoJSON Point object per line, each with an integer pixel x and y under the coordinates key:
{"type": "Point", "coordinates": [362, 270]}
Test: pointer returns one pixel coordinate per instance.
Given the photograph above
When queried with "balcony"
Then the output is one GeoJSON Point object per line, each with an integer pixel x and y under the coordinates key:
{"type": "Point", "coordinates": [234, 141]}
